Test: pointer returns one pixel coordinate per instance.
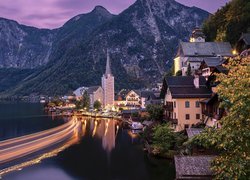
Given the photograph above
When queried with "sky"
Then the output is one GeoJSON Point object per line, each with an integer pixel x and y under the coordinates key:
{"type": "Point", "coordinates": [54, 13]}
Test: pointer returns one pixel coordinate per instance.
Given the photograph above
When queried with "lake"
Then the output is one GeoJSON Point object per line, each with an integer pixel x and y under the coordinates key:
{"type": "Point", "coordinates": [104, 150]}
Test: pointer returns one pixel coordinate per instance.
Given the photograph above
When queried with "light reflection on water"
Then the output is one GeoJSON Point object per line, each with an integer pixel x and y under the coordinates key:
{"type": "Point", "coordinates": [100, 149]}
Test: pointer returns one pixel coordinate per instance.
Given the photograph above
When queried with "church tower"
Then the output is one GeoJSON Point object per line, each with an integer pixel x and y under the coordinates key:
{"type": "Point", "coordinates": [197, 35]}
{"type": "Point", "coordinates": [108, 85]}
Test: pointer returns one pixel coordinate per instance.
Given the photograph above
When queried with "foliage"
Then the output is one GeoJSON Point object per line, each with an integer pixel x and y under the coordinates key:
{"type": "Point", "coordinates": [155, 111]}
{"type": "Point", "coordinates": [85, 100]}
{"type": "Point", "coordinates": [189, 72]}
{"type": "Point", "coordinates": [163, 137]}
{"type": "Point", "coordinates": [229, 22]}
{"type": "Point", "coordinates": [232, 140]}
{"type": "Point", "coordinates": [97, 105]}
{"type": "Point", "coordinates": [178, 73]}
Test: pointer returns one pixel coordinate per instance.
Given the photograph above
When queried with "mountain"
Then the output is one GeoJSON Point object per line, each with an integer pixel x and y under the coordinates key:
{"type": "Point", "coordinates": [142, 42]}
{"type": "Point", "coordinates": [22, 46]}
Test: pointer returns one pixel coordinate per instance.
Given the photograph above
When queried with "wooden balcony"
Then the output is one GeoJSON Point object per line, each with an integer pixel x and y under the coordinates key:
{"type": "Point", "coordinates": [169, 106]}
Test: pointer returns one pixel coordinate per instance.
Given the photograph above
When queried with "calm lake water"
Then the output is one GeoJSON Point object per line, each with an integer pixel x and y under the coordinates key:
{"type": "Point", "coordinates": [104, 151]}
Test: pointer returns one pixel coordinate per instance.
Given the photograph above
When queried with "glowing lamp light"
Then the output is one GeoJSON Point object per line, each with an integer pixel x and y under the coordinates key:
{"type": "Point", "coordinates": [234, 52]}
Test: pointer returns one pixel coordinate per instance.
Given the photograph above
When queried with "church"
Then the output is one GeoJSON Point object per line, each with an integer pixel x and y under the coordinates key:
{"type": "Point", "coordinates": [105, 93]}
{"type": "Point", "coordinates": [108, 86]}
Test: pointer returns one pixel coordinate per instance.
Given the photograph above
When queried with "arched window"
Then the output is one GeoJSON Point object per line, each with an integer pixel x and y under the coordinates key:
{"type": "Point", "coordinates": [187, 104]}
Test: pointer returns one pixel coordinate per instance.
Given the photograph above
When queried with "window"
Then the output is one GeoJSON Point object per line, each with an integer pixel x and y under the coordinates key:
{"type": "Point", "coordinates": [197, 104]}
{"type": "Point", "coordinates": [197, 116]}
{"type": "Point", "coordinates": [174, 104]}
{"type": "Point", "coordinates": [186, 126]}
{"type": "Point", "coordinates": [187, 116]}
{"type": "Point", "coordinates": [187, 104]}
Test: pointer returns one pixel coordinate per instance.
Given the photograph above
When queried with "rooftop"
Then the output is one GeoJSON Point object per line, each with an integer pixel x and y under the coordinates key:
{"type": "Point", "coordinates": [193, 167]}
{"type": "Point", "coordinates": [205, 49]}
{"type": "Point", "coordinates": [246, 38]}
{"type": "Point", "coordinates": [191, 132]}
{"type": "Point", "coordinates": [183, 87]}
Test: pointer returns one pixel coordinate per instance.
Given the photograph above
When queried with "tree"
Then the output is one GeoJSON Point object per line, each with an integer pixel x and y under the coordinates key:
{"type": "Point", "coordinates": [155, 111]}
{"type": "Point", "coordinates": [232, 140]}
{"type": "Point", "coordinates": [229, 22]}
{"type": "Point", "coordinates": [97, 105]}
{"type": "Point", "coordinates": [163, 137]}
{"type": "Point", "coordinates": [178, 73]}
{"type": "Point", "coordinates": [85, 100]}
{"type": "Point", "coordinates": [189, 72]}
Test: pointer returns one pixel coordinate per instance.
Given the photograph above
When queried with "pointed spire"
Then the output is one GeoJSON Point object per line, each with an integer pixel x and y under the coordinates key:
{"type": "Point", "coordinates": [108, 68]}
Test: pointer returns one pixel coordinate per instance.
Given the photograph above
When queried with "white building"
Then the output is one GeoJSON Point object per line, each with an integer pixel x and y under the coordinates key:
{"type": "Point", "coordinates": [196, 50]}
{"type": "Point", "coordinates": [108, 86]}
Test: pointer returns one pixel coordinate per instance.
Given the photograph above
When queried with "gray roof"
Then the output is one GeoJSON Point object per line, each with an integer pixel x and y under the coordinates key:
{"type": "Point", "coordinates": [184, 81]}
{"type": "Point", "coordinates": [208, 49]}
{"type": "Point", "coordinates": [92, 89]}
{"type": "Point", "coordinates": [193, 167]}
{"type": "Point", "coordinates": [191, 132]}
{"type": "Point", "coordinates": [148, 94]}
{"type": "Point", "coordinates": [183, 87]}
{"type": "Point", "coordinates": [246, 38]}
{"type": "Point", "coordinates": [213, 61]}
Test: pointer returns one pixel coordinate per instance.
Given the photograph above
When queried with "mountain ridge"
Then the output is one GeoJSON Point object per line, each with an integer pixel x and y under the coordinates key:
{"type": "Point", "coordinates": [142, 41]}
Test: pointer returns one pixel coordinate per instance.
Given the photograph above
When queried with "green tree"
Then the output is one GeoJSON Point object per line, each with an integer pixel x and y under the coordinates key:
{"type": "Point", "coordinates": [85, 100]}
{"type": "Point", "coordinates": [189, 72]}
{"type": "Point", "coordinates": [163, 137]}
{"type": "Point", "coordinates": [229, 22]}
{"type": "Point", "coordinates": [97, 105]}
{"type": "Point", "coordinates": [155, 111]}
{"type": "Point", "coordinates": [232, 140]}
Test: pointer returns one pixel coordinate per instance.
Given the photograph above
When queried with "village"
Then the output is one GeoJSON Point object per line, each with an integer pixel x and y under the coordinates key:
{"type": "Point", "coordinates": [185, 103]}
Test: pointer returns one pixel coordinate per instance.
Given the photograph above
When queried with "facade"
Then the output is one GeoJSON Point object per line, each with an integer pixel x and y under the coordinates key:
{"type": "Point", "coordinates": [196, 50]}
{"type": "Point", "coordinates": [209, 65]}
{"type": "Point", "coordinates": [95, 94]}
{"type": "Point", "coordinates": [108, 86]}
{"type": "Point", "coordinates": [183, 95]}
{"type": "Point", "coordinates": [79, 92]}
{"type": "Point", "coordinates": [133, 99]}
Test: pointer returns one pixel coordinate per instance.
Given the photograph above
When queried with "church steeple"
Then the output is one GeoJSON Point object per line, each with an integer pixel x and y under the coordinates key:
{"type": "Point", "coordinates": [108, 67]}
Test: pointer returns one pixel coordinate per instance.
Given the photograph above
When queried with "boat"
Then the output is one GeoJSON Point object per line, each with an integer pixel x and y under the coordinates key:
{"type": "Point", "coordinates": [136, 126]}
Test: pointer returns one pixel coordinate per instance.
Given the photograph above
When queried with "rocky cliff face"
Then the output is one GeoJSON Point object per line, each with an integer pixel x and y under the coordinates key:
{"type": "Point", "coordinates": [142, 42]}
{"type": "Point", "coordinates": [23, 46]}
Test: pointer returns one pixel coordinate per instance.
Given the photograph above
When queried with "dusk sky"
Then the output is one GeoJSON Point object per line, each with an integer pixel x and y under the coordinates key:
{"type": "Point", "coordinates": [54, 13]}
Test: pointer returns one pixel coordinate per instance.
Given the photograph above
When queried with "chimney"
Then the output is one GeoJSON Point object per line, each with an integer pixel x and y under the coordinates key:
{"type": "Point", "coordinates": [196, 81]}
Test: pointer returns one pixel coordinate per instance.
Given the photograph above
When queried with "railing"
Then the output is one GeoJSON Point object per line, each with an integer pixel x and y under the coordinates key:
{"type": "Point", "coordinates": [169, 106]}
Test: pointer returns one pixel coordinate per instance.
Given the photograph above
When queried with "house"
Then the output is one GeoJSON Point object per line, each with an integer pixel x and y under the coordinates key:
{"type": "Point", "coordinates": [120, 100]}
{"type": "Point", "coordinates": [243, 45]}
{"type": "Point", "coordinates": [150, 97]}
{"type": "Point", "coordinates": [193, 167]}
{"type": "Point", "coordinates": [208, 65]}
{"type": "Point", "coordinates": [79, 92]}
{"type": "Point", "coordinates": [193, 53]}
{"type": "Point", "coordinates": [133, 99]}
{"type": "Point", "coordinates": [182, 97]}
{"type": "Point", "coordinates": [211, 111]}
{"type": "Point", "coordinates": [95, 94]}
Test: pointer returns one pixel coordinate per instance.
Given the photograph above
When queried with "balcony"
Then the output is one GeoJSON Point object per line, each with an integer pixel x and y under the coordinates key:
{"type": "Point", "coordinates": [169, 106]}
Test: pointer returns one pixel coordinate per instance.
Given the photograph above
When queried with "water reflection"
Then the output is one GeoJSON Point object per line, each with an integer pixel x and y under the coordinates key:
{"type": "Point", "coordinates": [104, 129]}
